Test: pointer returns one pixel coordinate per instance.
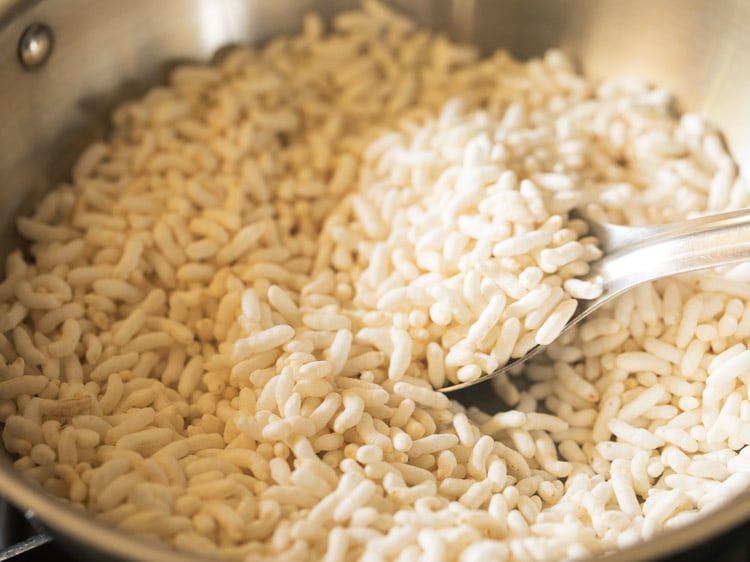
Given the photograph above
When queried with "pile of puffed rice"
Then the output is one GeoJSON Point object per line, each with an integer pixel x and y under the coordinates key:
{"type": "Point", "coordinates": [236, 315]}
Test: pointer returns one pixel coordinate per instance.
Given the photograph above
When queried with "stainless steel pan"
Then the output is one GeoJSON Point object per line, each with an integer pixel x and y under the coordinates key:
{"type": "Point", "coordinates": [64, 64]}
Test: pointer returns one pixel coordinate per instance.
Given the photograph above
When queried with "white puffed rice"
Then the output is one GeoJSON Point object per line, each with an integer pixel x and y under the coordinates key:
{"type": "Point", "coordinates": [238, 315]}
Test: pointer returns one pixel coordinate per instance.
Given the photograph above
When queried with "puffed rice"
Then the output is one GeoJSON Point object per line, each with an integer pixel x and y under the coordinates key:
{"type": "Point", "coordinates": [237, 319]}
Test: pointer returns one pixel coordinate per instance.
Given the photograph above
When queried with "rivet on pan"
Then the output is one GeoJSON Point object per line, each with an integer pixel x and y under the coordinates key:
{"type": "Point", "coordinates": [35, 46]}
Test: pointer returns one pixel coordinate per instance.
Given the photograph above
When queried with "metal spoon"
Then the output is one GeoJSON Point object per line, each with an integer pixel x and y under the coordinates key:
{"type": "Point", "coordinates": [635, 255]}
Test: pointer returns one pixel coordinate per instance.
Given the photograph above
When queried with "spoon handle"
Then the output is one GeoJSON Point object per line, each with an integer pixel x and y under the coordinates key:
{"type": "Point", "coordinates": [689, 245]}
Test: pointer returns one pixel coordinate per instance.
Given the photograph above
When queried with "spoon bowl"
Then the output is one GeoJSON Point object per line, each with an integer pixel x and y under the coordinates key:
{"type": "Point", "coordinates": [633, 255]}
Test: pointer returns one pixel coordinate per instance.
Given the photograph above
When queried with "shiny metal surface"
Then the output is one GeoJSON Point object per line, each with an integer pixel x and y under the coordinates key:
{"type": "Point", "coordinates": [105, 51]}
{"type": "Point", "coordinates": [635, 255]}
{"type": "Point", "coordinates": [35, 46]}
